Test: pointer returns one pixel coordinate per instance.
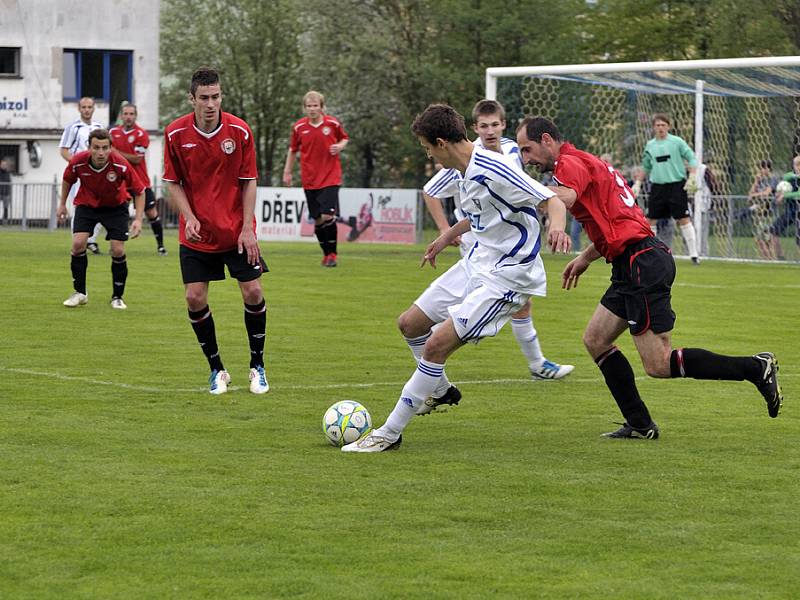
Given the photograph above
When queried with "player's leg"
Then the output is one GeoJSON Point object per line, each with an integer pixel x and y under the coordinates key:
{"type": "Point", "coordinates": [255, 313]}
{"type": "Point", "coordinates": [83, 222]}
{"type": "Point", "coordinates": [657, 205]}
{"type": "Point", "coordinates": [91, 244]}
{"type": "Point", "coordinates": [679, 209]}
{"type": "Point", "coordinates": [528, 340]}
{"type": "Point", "coordinates": [151, 211]}
{"type": "Point", "coordinates": [328, 199]}
{"type": "Point", "coordinates": [115, 221]}
{"type": "Point", "coordinates": [417, 321]}
{"type": "Point", "coordinates": [198, 269]}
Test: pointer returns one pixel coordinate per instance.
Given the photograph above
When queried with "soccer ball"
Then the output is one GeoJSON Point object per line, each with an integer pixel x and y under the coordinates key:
{"type": "Point", "coordinates": [783, 187]}
{"type": "Point", "coordinates": [345, 422]}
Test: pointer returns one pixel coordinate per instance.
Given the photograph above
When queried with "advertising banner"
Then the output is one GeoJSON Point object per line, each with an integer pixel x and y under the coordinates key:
{"type": "Point", "coordinates": [366, 215]}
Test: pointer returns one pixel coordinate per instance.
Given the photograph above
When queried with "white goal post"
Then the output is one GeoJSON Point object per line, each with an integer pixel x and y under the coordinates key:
{"type": "Point", "coordinates": [737, 112]}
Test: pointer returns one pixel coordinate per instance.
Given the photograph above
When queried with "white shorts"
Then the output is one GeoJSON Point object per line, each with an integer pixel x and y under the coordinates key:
{"type": "Point", "coordinates": [478, 308]}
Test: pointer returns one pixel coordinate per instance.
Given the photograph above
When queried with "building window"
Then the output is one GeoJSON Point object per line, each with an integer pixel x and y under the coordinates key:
{"type": "Point", "coordinates": [101, 74]}
{"type": "Point", "coordinates": [9, 62]}
{"type": "Point", "coordinates": [11, 153]}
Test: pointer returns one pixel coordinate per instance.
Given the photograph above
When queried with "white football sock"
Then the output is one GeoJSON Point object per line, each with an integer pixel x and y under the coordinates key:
{"type": "Point", "coordinates": [417, 346]}
{"type": "Point", "coordinates": [687, 231]}
{"type": "Point", "coordinates": [95, 233]}
{"type": "Point", "coordinates": [528, 341]}
{"type": "Point", "coordinates": [421, 385]}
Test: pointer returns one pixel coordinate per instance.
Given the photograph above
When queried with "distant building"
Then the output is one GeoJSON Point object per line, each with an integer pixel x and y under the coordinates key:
{"type": "Point", "coordinates": [53, 53]}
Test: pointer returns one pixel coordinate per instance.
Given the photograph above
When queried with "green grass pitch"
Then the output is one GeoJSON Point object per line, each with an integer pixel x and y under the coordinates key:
{"type": "Point", "coordinates": [121, 477]}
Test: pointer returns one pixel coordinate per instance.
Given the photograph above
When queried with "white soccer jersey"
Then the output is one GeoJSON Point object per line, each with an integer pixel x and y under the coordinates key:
{"type": "Point", "coordinates": [444, 184]}
{"type": "Point", "coordinates": [76, 135]}
{"type": "Point", "coordinates": [500, 200]}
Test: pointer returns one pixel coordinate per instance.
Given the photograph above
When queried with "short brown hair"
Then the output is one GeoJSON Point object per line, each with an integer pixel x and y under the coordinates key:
{"type": "Point", "coordinates": [488, 107]}
{"type": "Point", "coordinates": [661, 117]}
{"type": "Point", "coordinates": [99, 134]}
{"type": "Point", "coordinates": [203, 76]}
{"type": "Point", "coordinates": [440, 121]}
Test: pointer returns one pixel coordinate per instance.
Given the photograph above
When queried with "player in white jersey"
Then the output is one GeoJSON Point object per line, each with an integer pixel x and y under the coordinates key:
{"type": "Point", "coordinates": [489, 123]}
{"type": "Point", "coordinates": [504, 269]}
{"type": "Point", "coordinates": [76, 139]}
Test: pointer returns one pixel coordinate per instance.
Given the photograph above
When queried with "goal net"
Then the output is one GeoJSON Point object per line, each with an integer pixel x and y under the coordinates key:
{"type": "Point", "coordinates": [735, 113]}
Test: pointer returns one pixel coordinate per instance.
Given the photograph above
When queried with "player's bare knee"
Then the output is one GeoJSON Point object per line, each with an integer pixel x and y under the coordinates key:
{"type": "Point", "coordinates": [196, 299]}
{"type": "Point", "coordinates": [406, 323]}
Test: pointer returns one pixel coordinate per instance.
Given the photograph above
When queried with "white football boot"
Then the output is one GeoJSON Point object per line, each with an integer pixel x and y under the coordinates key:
{"type": "Point", "coordinates": [76, 299]}
{"type": "Point", "coordinates": [118, 304]}
{"type": "Point", "coordinates": [373, 442]}
{"type": "Point", "coordinates": [218, 382]}
{"type": "Point", "coordinates": [551, 370]}
{"type": "Point", "coordinates": [258, 381]}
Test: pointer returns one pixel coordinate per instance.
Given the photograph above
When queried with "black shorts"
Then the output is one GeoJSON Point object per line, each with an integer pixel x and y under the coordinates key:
{"type": "Point", "coordinates": [668, 200]}
{"type": "Point", "coordinates": [113, 218]}
{"type": "Point", "coordinates": [197, 266]}
{"type": "Point", "coordinates": [640, 291]}
{"type": "Point", "coordinates": [324, 201]}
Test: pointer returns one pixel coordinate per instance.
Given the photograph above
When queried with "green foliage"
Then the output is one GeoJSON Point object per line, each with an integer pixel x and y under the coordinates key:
{"type": "Point", "coordinates": [123, 478]}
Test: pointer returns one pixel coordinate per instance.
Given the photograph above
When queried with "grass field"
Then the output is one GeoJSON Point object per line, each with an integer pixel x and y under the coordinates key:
{"type": "Point", "coordinates": [121, 477]}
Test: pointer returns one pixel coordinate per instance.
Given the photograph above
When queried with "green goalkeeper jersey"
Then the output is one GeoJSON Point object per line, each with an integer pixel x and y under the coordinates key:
{"type": "Point", "coordinates": [794, 179]}
{"type": "Point", "coordinates": [664, 159]}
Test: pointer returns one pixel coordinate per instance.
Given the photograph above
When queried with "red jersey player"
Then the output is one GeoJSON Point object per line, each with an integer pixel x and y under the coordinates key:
{"type": "Point", "coordinates": [132, 141]}
{"type": "Point", "coordinates": [210, 170]}
{"type": "Point", "coordinates": [102, 197]}
{"type": "Point", "coordinates": [319, 139]}
{"type": "Point", "coordinates": [642, 273]}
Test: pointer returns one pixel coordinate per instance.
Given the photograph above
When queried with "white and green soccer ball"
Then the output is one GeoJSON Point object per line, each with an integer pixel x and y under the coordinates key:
{"type": "Point", "coordinates": [783, 187]}
{"type": "Point", "coordinates": [345, 422]}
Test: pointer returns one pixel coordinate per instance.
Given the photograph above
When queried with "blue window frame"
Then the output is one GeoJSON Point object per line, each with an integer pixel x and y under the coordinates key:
{"type": "Point", "coordinates": [101, 74]}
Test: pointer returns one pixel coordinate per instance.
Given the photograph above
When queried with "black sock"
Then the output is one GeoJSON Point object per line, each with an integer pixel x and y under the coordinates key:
{"type": "Point", "coordinates": [702, 364]}
{"type": "Point", "coordinates": [78, 265]}
{"type": "Point", "coordinates": [158, 231]}
{"type": "Point", "coordinates": [203, 325]}
{"type": "Point", "coordinates": [255, 321]}
{"type": "Point", "coordinates": [332, 230]}
{"type": "Point", "coordinates": [319, 231]}
{"type": "Point", "coordinates": [621, 382]}
{"type": "Point", "coordinates": [119, 274]}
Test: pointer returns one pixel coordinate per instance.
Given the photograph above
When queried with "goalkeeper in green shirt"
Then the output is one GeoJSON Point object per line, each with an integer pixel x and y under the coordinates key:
{"type": "Point", "coordinates": [665, 160]}
{"type": "Point", "coordinates": [787, 196]}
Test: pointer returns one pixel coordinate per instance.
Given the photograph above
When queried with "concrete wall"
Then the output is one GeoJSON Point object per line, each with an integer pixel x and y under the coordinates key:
{"type": "Point", "coordinates": [34, 109]}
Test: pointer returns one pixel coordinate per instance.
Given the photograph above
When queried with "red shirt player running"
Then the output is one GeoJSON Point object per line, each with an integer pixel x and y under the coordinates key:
{"type": "Point", "coordinates": [210, 170]}
{"type": "Point", "coordinates": [642, 273]}
{"type": "Point", "coordinates": [319, 139]}
{"type": "Point", "coordinates": [106, 177]}
{"type": "Point", "coordinates": [132, 141]}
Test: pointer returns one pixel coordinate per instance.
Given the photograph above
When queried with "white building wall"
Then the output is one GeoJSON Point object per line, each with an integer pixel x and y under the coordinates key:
{"type": "Point", "coordinates": [31, 106]}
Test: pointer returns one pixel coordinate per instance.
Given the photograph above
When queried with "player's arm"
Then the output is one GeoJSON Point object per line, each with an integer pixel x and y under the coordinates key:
{"type": "Point", "coordinates": [247, 238]}
{"type": "Point", "coordinates": [339, 146]}
{"type": "Point", "coordinates": [436, 210]}
{"type": "Point", "coordinates": [65, 154]}
{"type": "Point", "coordinates": [444, 240]}
{"type": "Point", "coordinates": [134, 159]}
{"type": "Point", "coordinates": [180, 202]}
{"type": "Point", "coordinates": [138, 206]}
{"type": "Point", "coordinates": [576, 267]}
{"type": "Point", "coordinates": [557, 237]}
{"type": "Point", "coordinates": [288, 167]}
{"type": "Point", "coordinates": [61, 211]}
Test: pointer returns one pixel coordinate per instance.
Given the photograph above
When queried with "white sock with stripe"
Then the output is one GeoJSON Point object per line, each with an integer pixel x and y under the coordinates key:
{"type": "Point", "coordinates": [420, 386]}
{"type": "Point", "coordinates": [528, 341]}
{"type": "Point", "coordinates": [417, 346]}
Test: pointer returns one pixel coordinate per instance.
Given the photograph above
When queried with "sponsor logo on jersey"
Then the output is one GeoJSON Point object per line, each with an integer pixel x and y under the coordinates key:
{"type": "Point", "coordinates": [326, 130]}
{"type": "Point", "coordinates": [111, 176]}
{"type": "Point", "coordinates": [228, 146]}
{"type": "Point", "coordinates": [189, 145]}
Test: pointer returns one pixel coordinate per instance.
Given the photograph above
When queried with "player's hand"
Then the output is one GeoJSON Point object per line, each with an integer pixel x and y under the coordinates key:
{"type": "Point", "coordinates": [247, 243]}
{"type": "Point", "coordinates": [573, 270]}
{"type": "Point", "coordinates": [287, 179]}
{"type": "Point", "coordinates": [559, 241]}
{"type": "Point", "coordinates": [136, 229]}
{"type": "Point", "coordinates": [433, 249]}
{"type": "Point", "coordinates": [61, 212]}
{"type": "Point", "coordinates": [691, 185]}
{"type": "Point", "coordinates": [456, 241]}
{"type": "Point", "coordinates": [192, 229]}
{"type": "Point", "coordinates": [335, 149]}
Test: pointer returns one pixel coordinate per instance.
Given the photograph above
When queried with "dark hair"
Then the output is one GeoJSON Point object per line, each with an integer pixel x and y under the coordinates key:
{"type": "Point", "coordinates": [535, 127]}
{"type": "Point", "coordinates": [203, 76]}
{"type": "Point", "coordinates": [440, 121]}
{"type": "Point", "coordinates": [660, 117]}
{"type": "Point", "coordinates": [129, 105]}
{"type": "Point", "coordinates": [765, 164]}
{"type": "Point", "coordinates": [488, 107]}
{"type": "Point", "coordinates": [99, 134]}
